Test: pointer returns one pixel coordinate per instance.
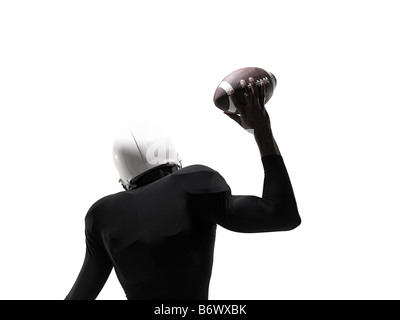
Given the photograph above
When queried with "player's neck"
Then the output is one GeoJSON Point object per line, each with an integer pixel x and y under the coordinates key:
{"type": "Point", "coordinates": [153, 176]}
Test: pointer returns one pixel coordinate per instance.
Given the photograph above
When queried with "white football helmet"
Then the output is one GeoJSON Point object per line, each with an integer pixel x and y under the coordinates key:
{"type": "Point", "coordinates": [140, 148]}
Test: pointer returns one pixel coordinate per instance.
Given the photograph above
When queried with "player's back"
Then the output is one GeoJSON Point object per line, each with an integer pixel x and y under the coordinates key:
{"type": "Point", "coordinates": [160, 237]}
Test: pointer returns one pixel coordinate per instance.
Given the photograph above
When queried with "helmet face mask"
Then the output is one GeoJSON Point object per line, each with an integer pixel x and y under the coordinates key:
{"type": "Point", "coordinates": [140, 149]}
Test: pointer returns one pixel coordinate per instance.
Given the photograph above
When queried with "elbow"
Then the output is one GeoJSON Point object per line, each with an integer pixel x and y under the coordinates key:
{"type": "Point", "coordinates": [294, 222]}
{"type": "Point", "coordinates": [290, 220]}
{"type": "Point", "coordinates": [292, 216]}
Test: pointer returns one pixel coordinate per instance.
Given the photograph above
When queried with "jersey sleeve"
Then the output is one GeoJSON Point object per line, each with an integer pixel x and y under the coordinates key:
{"type": "Point", "coordinates": [96, 266]}
{"type": "Point", "coordinates": [276, 210]}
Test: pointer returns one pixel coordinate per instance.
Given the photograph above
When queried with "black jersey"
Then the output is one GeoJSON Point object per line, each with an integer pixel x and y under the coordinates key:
{"type": "Point", "coordinates": [160, 237]}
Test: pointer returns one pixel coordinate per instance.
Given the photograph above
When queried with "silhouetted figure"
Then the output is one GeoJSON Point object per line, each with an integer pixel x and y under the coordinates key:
{"type": "Point", "coordinates": [159, 233]}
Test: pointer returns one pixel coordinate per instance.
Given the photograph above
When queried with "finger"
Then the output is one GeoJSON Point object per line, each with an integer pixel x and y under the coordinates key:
{"type": "Point", "coordinates": [262, 93]}
{"type": "Point", "coordinates": [254, 89]}
{"type": "Point", "coordinates": [235, 98]}
{"type": "Point", "coordinates": [265, 91]}
{"type": "Point", "coordinates": [234, 117]}
{"type": "Point", "coordinates": [243, 85]}
{"type": "Point", "coordinates": [252, 84]}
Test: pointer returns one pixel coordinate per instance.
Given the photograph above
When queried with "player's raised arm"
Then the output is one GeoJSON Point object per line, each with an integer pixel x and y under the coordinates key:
{"type": "Point", "coordinates": [277, 209]}
{"type": "Point", "coordinates": [253, 116]}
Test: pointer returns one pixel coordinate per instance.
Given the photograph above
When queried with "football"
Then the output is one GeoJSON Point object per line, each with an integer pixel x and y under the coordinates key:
{"type": "Point", "coordinates": [222, 97]}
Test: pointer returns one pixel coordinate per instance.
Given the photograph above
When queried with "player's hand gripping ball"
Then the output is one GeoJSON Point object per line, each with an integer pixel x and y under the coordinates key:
{"type": "Point", "coordinates": [231, 83]}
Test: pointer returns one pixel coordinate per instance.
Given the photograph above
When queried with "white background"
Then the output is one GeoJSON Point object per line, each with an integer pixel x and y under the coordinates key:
{"type": "Point", "coordinates": [73, 73]}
